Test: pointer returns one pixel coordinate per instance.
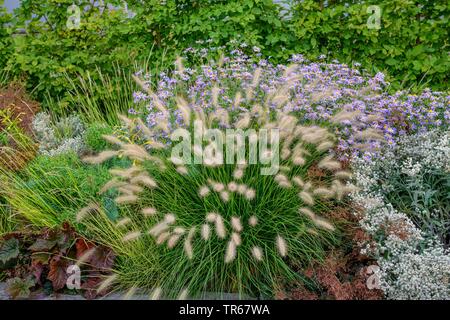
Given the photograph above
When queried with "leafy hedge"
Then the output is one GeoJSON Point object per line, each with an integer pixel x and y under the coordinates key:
{"type": "Point", "coordinates": [412, 44]}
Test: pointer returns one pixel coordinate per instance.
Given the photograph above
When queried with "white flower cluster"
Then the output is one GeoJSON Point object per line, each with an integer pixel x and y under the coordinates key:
{"type": "Point", "coordinates": [58, 138]}
{"type": "Point", "coordinates": [413, 274]}
{"type": "Point", "coordinates": [430, 150]}
{"type": "Point", "coordinates": [411, 265]}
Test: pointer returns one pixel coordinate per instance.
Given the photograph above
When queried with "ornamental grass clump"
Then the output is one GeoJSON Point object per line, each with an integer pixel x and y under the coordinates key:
{"type": "Point", "coordinates": [221, 199]}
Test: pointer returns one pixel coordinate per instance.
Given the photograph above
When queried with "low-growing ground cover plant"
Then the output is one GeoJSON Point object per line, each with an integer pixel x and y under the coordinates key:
{"type": "Point", "coordinates": [59, 137]}
{"type": "Point", "coordinates": [405, 194]}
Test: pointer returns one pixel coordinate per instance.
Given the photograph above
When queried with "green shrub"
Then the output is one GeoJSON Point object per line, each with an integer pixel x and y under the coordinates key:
{"type": "Point", "coordinates": [5, 37]}
{"type": "Point", "coordinates": [412, 44]}
{"type": "Point", "coordinates": [48, 50]}
{"type": "Point", "coordinates": [93, 136]}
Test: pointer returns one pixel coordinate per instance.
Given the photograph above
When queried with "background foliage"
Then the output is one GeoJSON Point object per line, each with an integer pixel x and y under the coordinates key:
{"type": "Point", "coordinates": [412, 44]}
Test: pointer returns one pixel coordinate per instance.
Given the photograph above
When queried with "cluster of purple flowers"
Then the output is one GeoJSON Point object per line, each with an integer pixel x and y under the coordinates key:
{"type": "Point", "coordinates": [322, 89]}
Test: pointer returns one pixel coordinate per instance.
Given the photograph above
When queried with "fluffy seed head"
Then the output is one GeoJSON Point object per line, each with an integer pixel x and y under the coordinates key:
{"type": "Point", "coordinates": [206, 231]}
{"type": "Point", "coordinates": [131, 236]}
{"type": "Point", "coordinates": [123, 222]}
{"type": "Point", "coordinates": [281, 246]}
{"type": "Point", "coordinates": [250, 194]}
{"type": "Point", "coordinates": [156, 294]}
{"type": "Point", "coordinates": [220, 227]}
{"type": "Point", "coordinates": [257, 253]}
{"type": "Point", "coordinates": [230, 254]}
{"type": "Point", "coordinates": [225, 196]}
{"type": "Point", "coordinates": [232, 186]}
{"type": "Point", "coordinates": [162, 238]}
{"type": "Point", "coordinates": [326, 145]}
{"type": "Point", "coordinates": [188, 243]}
{"type": "Point", "coordinates": [173, 240]}
{"type": "Point", "coordinates": [204, 191]}
{"type": "Point", "coordinates": [323, 192]}
{"type": "Point", "coordinates": [179, 230]}
{"type": "Point", "coordinates": [91, 208]}
{"type": "Point", "coordinates": [253, 221]}
{"type": "Point", "coordinates": [106, 283]}
{"type": "Point", "coordinates": [182, 170]}
{"type": "Point", "coordinates": [343, 175]}
{"type": "Point", "coordinates": [324, 224]}
{"type": "Point", "coordinates": [144, 180]}
{"type": "Point", "coordinates": [101, 157]}
{"type": "Point", "coordinates": [241, 188]}
{"type": "Point", "coordinates": [126, 199]}
{"type": "Point", "coordinates": [306, 198]}
{"type": "Point", "coordinates": [218, 187]}
{"type": "Point", "coordinates": [298, 181]}
{"type": "Point", "coordinates": [211, 217]}
{"type": "Point", "coordinates": [158, 228]}
{"type": "Point", "coordinates": [238, 174]}
{"type": "Point", "coordinates": [236, 224]}
{"type": "Point", "coordinates": [236, 237]}
{"type": "Point", "coordinates": [183, 294]}
{"type": "Point", "coordinates": [149, 212]}
{"type": "Point", "coordinates": [307, 212]}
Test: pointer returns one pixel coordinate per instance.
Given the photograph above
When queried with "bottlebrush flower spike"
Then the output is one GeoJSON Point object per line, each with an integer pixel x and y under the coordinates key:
{"type": "Point", "coordinates": [220, 227]}
{"type": "Point", "coordinates": [123, 222]}
{"type": "Point", "coordinates": [306, 198]}
{"type": "Point", "coordinates": [131, 236]}
{"type": "Point", "coordinates": [149, 211]}
{"type": "Point", "coordinates": [188, 243]}
{"type": "Point", "coordinates": [236, 224]}
{"type": "Point", "coordinates": [162, 238]}
{"type": "Point", "coordinates": [126, 199]}
{"type": "Point", "coordinates": [113, 140]}
{"type": "Point", "coordinates": [253, 221]}
{"type": "Point", "coordinates": [204, 191]}
{"type": "Point", "coordinates": [206, 231]}
{"type": "Point", "coordinates": [236, 237]}
{"type": "Point", "coordinates": [257, 253]}
{"type": "Point", "coordinates": [173, 240]}
{"type": "Point", "coordinates": [101, 157]}
{"type": "Point", "coordinates": [91, 208]}
{"type": "Point", "coordinates": [183, 106]}
{"type": "Point", "coordinates": [281, 246]}
{"type": "Point", "coordinates": [107, 282]}
{"type": "Point", "coordinates": [230, 253]}
{"type": "Point", "coordinates": [156, 294]}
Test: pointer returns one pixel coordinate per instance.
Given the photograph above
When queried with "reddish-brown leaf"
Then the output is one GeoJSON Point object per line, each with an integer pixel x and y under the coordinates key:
{"type": "Point", "coordinates": [90, 288]}
{"type": "Point", "coordinates": [82, 246]}
{"type": "Point", "coordinates": [102, 258]}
